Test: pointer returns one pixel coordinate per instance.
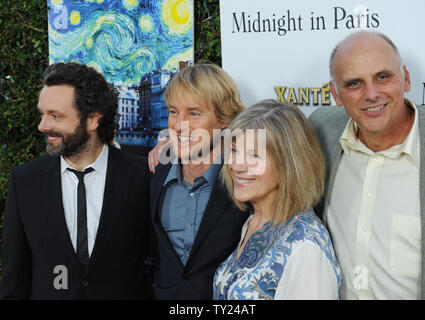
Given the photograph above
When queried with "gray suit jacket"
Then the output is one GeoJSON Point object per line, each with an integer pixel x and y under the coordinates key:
{"type": "Point", "coordinates": [329, 124]}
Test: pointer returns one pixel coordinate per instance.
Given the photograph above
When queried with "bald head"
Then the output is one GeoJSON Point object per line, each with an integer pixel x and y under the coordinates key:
{"type": "Point", "coordinates": [366, 38]}
{"type": "Point", "coordinates": [370, 81]}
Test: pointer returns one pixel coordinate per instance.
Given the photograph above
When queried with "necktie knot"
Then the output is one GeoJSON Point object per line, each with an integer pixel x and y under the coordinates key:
{"type": "Point", "coordinates": [80, 174]}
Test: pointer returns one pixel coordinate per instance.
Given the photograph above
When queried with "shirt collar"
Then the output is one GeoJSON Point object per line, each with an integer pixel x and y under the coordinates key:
{"type": "Point", "coordinates": [99, 165]}
{"type": "Point", "coordinates": [410, 145]}
{"type": "Point", "coordinates": [211, 174]}
{"type": "Point", "coordinates": [175, 173]}
{"type": "Point", "coordinates": [349, 140]}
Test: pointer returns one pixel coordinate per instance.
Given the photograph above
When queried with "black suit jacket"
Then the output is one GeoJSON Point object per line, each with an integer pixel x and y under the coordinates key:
{"type": "Point", "coordinates": [36, 238]}
{"type": "Point", "coordinates": [217, 237]}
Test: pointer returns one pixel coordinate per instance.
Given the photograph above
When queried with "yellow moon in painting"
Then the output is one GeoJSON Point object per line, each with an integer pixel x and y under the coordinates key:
{"type": "Point", "coordinates": [178, 15]}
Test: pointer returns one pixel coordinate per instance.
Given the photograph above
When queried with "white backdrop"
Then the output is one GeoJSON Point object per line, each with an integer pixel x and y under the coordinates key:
{"type": "Point", "coordinates": [275, 43]}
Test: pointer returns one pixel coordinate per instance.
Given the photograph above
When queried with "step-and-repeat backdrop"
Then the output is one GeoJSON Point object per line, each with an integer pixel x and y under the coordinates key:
{"type": "Point", "coordinates": [280, 49]}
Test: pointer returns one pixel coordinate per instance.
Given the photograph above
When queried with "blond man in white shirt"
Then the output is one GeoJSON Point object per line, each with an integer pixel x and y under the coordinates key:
{"type": "Point", "coordinates": [374, 202]}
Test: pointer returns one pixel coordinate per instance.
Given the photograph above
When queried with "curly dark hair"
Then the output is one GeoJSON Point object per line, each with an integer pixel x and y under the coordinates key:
{"type": "Point", "coordinates": [92, 94]}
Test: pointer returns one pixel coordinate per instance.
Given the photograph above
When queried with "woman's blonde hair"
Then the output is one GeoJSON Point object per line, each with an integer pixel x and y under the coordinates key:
{"type": "Point", "coordinates": [295, 150]}
{"type": "Point", "coordinates": [211, 85]}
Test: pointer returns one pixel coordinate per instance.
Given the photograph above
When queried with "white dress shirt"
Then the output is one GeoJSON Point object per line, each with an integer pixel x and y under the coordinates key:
{"type": "Point", "coordinates": [374, 218]}
{"type": "Point", "coordinates": [94, 183]}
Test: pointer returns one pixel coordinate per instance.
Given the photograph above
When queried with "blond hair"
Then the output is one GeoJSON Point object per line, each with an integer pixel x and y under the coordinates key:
{"type": "Point", "coordinates": [211, 85]}
{"type": "Point", "coordinates": [295, 150]}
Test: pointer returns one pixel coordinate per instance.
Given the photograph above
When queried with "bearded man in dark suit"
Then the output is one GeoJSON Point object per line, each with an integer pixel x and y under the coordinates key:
{"type": "Point", "coordinates": [76, 219]}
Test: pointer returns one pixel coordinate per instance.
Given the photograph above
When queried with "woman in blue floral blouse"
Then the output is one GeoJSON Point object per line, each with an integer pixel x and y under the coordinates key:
{"type": "Point", "coordinates": [275, 166]}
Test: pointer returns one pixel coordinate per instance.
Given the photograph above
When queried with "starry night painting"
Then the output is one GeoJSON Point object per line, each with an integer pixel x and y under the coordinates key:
{"type": "Point", "coordinates": [138, 45]}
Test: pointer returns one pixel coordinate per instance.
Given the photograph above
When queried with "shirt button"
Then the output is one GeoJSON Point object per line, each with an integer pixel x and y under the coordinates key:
{"type": "Point", "coordinates": [192, 194]}
{"type": "Point", "coordinates": [379, 160]}
{"type": "Point", "coordinates": [84, 283]}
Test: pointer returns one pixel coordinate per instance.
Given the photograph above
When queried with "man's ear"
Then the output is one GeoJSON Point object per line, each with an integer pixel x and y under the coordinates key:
{"type": "Point", "coordinates": [93, 121]}
{"type": "Point", "coordinates": [334, 92]}
{"type": "Point", "coordinates": [406, 75]}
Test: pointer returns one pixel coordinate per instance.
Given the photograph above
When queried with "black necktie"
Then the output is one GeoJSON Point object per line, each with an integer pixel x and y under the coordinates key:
{"type": "Point", "coordinates": [82, 244]}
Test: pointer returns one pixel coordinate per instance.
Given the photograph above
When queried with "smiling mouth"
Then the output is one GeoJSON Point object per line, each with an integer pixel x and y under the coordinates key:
{"type": "Point", "coordinates": [241, 181]}
{"type": "Point", "coordinates": [375, 109]}
{"type": "Point", "coordinates": [51, 138]}
{"type": "Point", "coordinates": [186, 139]}
{"type": "Point", "coordinates": [183, 139]}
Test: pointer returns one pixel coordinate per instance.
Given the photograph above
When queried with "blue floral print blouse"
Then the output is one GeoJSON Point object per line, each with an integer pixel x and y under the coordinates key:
{"type": "Point", "coordinates": [293, 260]}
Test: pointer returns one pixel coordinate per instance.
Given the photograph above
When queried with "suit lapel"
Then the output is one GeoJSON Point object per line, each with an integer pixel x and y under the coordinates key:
{"type": "Point", "coordinates": [157, 182]}
{"type": "Point", "coordinates": [52, 189]}
{"type": "Point", "coordinates": [217, 204]}
{"type": "Point", "coordinates": [421, 124]}
{"type": "Point", "coordinates": [119, 177]}
{"type": "Point", "coordinates": [157, 199]}
{"type": "Point", "coordinates": [334, 152]}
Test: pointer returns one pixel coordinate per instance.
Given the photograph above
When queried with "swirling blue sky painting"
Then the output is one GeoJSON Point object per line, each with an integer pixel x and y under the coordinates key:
{"type": "Point", "coordinates": [123, 39]}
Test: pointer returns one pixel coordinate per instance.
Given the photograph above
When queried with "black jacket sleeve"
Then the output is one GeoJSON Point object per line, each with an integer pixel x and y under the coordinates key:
{"type": "Point", "coordinates": [16, 277]}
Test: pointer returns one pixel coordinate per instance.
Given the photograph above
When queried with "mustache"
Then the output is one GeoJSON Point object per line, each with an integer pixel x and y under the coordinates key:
{"type": "Point", "coordinates": [52, 134]}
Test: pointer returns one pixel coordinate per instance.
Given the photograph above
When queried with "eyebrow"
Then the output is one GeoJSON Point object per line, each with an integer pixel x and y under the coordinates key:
{"type": "Point", "coordinates": [347, 82]}
{"type": "Point", "coordinates": [39, 110]}
{"type": "Point", "coordinates": [50, 111]}
{"type": "Point", "coordinates": [384, 71]}
{"type": "Point", "coordinates": [196, 109]}
{"type": "Point", "coordinates": [388, 71]}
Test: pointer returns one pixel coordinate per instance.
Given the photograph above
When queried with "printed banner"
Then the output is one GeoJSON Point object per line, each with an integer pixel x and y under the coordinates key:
{"type": "Point", "coordinates": [136, 44]}
{"type": "Point", "coordinates": [280, 49]}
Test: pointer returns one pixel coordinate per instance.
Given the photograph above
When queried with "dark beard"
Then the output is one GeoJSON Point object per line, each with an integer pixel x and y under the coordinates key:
{"type": "Point", "coordinates": [71, 145]}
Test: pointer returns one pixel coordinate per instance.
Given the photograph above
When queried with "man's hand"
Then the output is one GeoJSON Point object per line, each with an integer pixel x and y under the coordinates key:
{"type": "Point", "coordinates": [153, 158]}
